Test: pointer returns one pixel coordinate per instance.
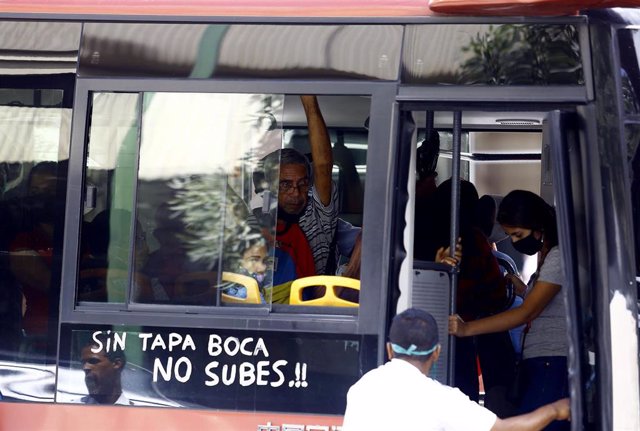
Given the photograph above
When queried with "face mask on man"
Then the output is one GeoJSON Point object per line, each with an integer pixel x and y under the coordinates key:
{"type": "Point", "coordinates": [528, 245]}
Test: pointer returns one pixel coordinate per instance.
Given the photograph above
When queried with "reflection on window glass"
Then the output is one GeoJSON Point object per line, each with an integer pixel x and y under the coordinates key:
{"type": "Point", "coordinates": [508, 54]}
{"type": "Point", "coordinates": [241, 51]}
{"type": "Point", "coordinates": [198, 157]}
{"type": "Point", "coordinates": [633, 157]}
{"type": "Point", "coordinates": [173, 220]}
{"type": "Point", "coordinates": [110, 178]}
{"type": "Point", "coordinates": [215, 369]}
{"type": "Point", "coordinates": [206, 199]}
{"type": "Point", "coordinates": [33, 171]}
{"type": "Point", "coordinates": [629, 44]}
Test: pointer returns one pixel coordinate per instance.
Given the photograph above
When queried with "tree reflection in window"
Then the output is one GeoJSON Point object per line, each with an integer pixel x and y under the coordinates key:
{"type": "Point", "coordinates": [523, 55]}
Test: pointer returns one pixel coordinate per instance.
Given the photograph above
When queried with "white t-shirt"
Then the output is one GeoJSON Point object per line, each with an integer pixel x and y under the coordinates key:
{"type": "Point", "coordinates": [397, 396]}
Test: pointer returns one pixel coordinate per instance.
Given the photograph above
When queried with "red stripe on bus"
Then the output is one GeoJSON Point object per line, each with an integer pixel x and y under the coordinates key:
{"type": "Point", "coordinates": [69, 417]}
{"type": "Point", "coordinates": [222, 7]}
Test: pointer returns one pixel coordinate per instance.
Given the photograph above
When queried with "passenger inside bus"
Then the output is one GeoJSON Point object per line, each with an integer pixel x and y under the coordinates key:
{"type": "Point", "coordinates": [307, 205]}
{"type": "Point", "coordinates": [250, 258]}
{"type": "Point", "coordinates": [481, 292]}
{"type": "Point", "coordinates": [31, 251]}
{"type": "Point", "coordinates": [104, 267]}
{"type": "Point", "coordinates": [531, 224]}
{"type": "Point", "coordinates": [486, 218]}
{"type": "Point", "coordinates": [11, 331]}
{"type": "Point", "coordinates": [426, 162]}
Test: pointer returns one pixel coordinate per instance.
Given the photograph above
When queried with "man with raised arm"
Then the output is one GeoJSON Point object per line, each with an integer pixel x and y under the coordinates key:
{"type": "Point", "coordinates": [400, 395]}
{"type": "Point", "coordinates": [307, 203]}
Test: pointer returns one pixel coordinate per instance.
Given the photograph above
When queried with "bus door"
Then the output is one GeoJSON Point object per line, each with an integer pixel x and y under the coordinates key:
{"type": "Point", "coordinates": [458, 160]}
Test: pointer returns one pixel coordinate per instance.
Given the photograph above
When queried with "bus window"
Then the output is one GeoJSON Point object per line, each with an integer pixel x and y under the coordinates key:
{"type": "Point", "coordinates": [632, 132]}
{"type": "Point", "coordinates": [181, 202]}
{"type": "Point", "coordinates": [183, 196]}
{"type": "Point", "coordinates": [495, 55]}
{"type": "Point", "coordinates": [35, 127]}
{"type": "Point", "coordinates": [36, 96]}
{"type": "Point", "coordinates": [268, 371]}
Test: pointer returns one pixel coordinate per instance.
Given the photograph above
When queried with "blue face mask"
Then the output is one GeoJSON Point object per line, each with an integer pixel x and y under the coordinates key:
{"type": "Point", "coordinates": [528, 245]}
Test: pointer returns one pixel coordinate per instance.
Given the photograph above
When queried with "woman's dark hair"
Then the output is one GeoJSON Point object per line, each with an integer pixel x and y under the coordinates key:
{"type": "Point", "coordinates": [486, 214]}
{"type": "Point", "coordinates": [524, 209]}
{"type": "Point", "coordinates": [435, 228]}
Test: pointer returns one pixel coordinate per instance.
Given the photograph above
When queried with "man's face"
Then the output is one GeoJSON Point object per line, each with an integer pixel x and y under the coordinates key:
{"type": "Point", "coordinates": [100, 373]}
{"type": "Point", "coordinates": [294, 186]}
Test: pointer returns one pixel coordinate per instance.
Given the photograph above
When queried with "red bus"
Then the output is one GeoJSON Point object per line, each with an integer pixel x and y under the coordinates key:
{"type": "Point", "coordinates": [133, 139]}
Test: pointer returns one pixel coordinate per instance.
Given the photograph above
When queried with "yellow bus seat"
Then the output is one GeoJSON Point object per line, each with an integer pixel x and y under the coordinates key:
{"type": "Point", "coordinates": [279, 294]}
{"type": "Point", "coordinates": [330, 297]}
{"type": "Point", "coordinates": [253, 291]}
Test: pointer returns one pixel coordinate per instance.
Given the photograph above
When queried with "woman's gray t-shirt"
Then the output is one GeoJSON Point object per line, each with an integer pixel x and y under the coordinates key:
{"type": "Point", "coordinates": [547, 335]}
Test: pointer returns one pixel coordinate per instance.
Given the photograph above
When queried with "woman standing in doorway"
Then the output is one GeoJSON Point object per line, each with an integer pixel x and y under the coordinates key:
{"type": "Point", "coordinates": [531, 224]}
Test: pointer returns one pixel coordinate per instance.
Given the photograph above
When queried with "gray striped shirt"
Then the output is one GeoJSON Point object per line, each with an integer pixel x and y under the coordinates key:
{"type": "Point", "coordinates": [318, 223]}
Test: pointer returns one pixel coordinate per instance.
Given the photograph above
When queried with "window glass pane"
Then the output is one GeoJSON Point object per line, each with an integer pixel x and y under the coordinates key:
{"type": "Point", "coordinates": [198, 157]}
{"type": "Point", "coordinates": [218, 369]}
{"type": "Point", "coordinates": [241, 51]}
{"type": "Point", "coordinates": [193, 239]}
{"type": "Point", "coordinates": [215, 221]}
{"type": "Point", "coordinates": [329, 230]}
{"type": "Point", "coordinates": [108, 210]}
{"type": "Point", "coordinates": [508, 54]}
{"type": "Point", "coordinates": [34, 153]}
{"type": "Point", "coordinates": [633, 157]}
{"type": "Point", "coordinates": [629, 44]}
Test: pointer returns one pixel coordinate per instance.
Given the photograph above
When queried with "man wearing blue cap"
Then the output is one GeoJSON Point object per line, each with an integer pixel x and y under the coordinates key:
{"type": "Point", "coordinates": [400, 395]}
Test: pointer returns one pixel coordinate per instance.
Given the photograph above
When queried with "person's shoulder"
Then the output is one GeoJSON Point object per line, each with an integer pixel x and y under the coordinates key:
{"type": "Point", "coordinates": [552, 261]}
{"type": "Point", "coordinates": [554, 252]}
{"type": "Point", "coordinates": [315, 198]}
{"type": "Point", "coordinates": [371, 379]}
{"type": "Point", "coordinates": [444, 394]}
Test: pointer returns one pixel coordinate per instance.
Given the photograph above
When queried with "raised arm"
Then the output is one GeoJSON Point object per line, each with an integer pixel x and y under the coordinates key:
{"type": "Point", "coordinates": [540, 296]}
{"type": "Point", "coordinates": [320, 148]}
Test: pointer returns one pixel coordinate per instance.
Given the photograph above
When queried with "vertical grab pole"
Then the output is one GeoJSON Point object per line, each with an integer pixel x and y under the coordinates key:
{"type": "Point", "coordinates": [428, 123]}
{"type": "Point", "coordinates": [454, 233]}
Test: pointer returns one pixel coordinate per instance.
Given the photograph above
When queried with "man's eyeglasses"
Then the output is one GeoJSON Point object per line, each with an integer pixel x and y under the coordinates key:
{"type": "Point", "coordinates": [287, 186]}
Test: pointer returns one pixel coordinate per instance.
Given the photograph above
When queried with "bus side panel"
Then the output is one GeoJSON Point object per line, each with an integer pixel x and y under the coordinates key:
{"type": "Point", "coordinates": [25, 416]}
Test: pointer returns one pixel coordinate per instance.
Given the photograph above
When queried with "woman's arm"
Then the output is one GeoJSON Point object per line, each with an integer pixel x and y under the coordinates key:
{"type": "Point", "coordinates": [540, 296]}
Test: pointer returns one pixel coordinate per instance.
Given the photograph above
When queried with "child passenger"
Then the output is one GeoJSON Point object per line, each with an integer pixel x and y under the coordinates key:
{"type": "Point", "coordinates": [253, 262]}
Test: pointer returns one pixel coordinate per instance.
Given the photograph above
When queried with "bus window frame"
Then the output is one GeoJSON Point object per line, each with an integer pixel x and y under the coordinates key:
{"type": "Point", "coordinates": [506, 94]}
{"type": "Point", "coordinates": [377, 202]}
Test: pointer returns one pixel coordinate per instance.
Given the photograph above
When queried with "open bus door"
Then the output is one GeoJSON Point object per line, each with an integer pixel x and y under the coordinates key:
{"type": "Point", "coordinates": [567, 163]}
{"type": "Point", "coordinates": [602, 307]}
